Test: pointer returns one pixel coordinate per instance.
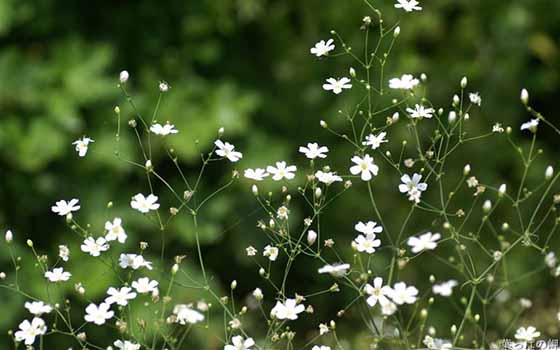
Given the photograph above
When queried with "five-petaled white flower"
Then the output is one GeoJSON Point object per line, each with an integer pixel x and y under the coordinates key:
{"type": "Point", "coordinates": [475, 98]}
{"type": "Point", "coordinates": [94, 246]}
{"type": "Point", "coordinates": [420, 111]}
{"type": "Point", "coordinates": [163, 130]}
{"type": "Point", "coordinates": [38, 308]}
{"type": "Point", "coordinates": [144, 204]}
{"type": "Point", "coordinates": [126, 345]}
{"type": "Point", "coordinates": [367, 243]}
{"type": "Point", "coordinates": [98, 314]}
{"type": "Point", "coordinates": [313, 150]}
{"type": "Point", "coordinates": [240, 344]}
{"type": "Point", "coordinates": [527, 334]}
{"type": "Point", "coordinates": [63, 252]}
{"type": "Point", "coordinates": [375, 141]}
{"type": "Point", "coordinates": [401, 294]}
{"type": "Point", "coordinates": [337, 86]}
{"type": "Point", "coordinates": [115, 231]}
{"type": "Point", "coordinates": [143, 285]}
{"type": "Point", "coordinates": [444, 289]}
{"type": "Point", "coordinates": [427, 241]}
{"type": "Point", "coordinates": [408, 5]}
{"type": "Point", "coordinates": [322, 48]}
{"type": "Point", "coordinates": [281, 171]}
{"type": "Point", "coordinates": [413, 187]}
{"type": "Point", "coordinates": [378, 293]}
{"type": "Point", "coordinates": [287, 310]}
{"type": "Point", "coordinates": [28, 331]}
{"type": "Point", "coordinates": [82, 145]}
{"type": "Point", "coordinates": [271, 252]}
{"type": "Point", "coordinates": [405, 82]}
{"type": "Point", "coordinates": [257, 174]}
{"type": "Point", "coordinates": [227, 150]}
{"type": "Point", "coordinates": [134, 261]}
{"type": "Point", "coordinates": [335, 270]}
{"type": "Point", "coordinates": [364, 166]}
{"type": "Point", "coordinates": [327, 177]}
{"type": "Point", "coordinates": [119, 296]}
{"type": "Point", "coordinates": [368, 228]}
{"type": "Point", "coordinates": [58, 275]}
{"type": "Point", "coordinates": [185, 314]}
{"type": "Point", "coordinates": [531, 125]}
{"type": "Point", "coordinates": [64, 208]}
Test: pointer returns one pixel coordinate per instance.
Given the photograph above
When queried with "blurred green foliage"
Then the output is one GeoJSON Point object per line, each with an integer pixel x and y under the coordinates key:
{"type": "Point", "coordinates": [244, 65]}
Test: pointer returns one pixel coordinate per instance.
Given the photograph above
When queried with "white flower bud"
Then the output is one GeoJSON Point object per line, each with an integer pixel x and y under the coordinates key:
{"type": "Point", "coordinates": [423, 77]}
{"type": "Point", "coordinates": [397, 31]}
{"type": "Point", "coordinates": [524, 96]}
{"type": "Point", "coordinates": [149, 166]}
{"type": "Point", "coordinates": [30, 243]}
{"type": "Point", "coordinates": [395, 117]}
{"type": "Point", "coordinates": [432, 278]}
{"type": "Point", "coordinates": [502, 190]}
{"type": "Point", "coordinates": [9, 236]}
{"type": "Point", "coordinates": [255, 190]}
{"type": "Point", "coordinates": [323, 124]}
{"type": "Point", "coordinates": [467, 116]}
{"type": "Point", "coordinates": [163, 86]}
{"type": "Point", "coordinates": [467, 169]}
{"type": "Point", "coordinates": [486, 206]}
{"type": "Point", "coordinates": [174, 269]}
{"type": "Point", "coordinates": [262, 272]}
{"type": "Point", "coordinates": [311, 237]}
{"type": "Point", "coordinates": [549, 173]}
{"type": "Point", "coordinates": [233, 284]}
{"type": "Point", "coordinates": [456, 100]}
{"type": "Point", "coordinates": [352, 72]}
{"type": "Point", "coordinates": [123, 76]}
{"type": "Point", "coordinates": [2, 275]}
{"type": "Point", "coordinates": [452, 117]}
{"type": "Point", "coordinates": [258, 294]}
{"type": "Point", "coordinates": [221, 131]}
{"type": "Point", "coordinates": [318, 192]}
{"type": "Point", "coordinates": [453, 329]}
{"type": "Point", "coordinates": [464, 82]}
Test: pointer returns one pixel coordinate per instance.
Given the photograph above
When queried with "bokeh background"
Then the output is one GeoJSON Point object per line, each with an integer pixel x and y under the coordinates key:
{"type": "Point", "coordinates": [244, 65]}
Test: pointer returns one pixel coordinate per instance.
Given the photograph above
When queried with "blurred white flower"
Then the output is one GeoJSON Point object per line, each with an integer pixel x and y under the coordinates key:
{"type": "Point", "coordinates": [475, 98]}
{"type": "Point", "coordinates": [405, 82]}
{"type": "Point", "coordinates": [427, 241]}
{"type": "Point", "coordinates": [321, 347]}
{"type": "Point", "coordinates": [239, 343]}
{"type": "Point", "coordinates": [335, 270]}
{"type": "Point", "coordinates": [375, 141]}
{"type": "Point", "coordinates": [271, 252]}
{"type": "Point", "coordinates": [445, 288]}
{"type": "Point", "coordinates": [186, 314]}
{"type": "Point", "coordinates": [531, 125]}
{"type": "Point", "coordinates": [313, 150]}
{"type": "Point", "coordinates": [123, 76]}
{"type": "Point", "coordinates": [408, 5]}
{"type": "Point", "coordinates": [368, 228]}
{"type": "Point", "coordinates": [337, 86]}
{"type": "Point", "coordinates": [527, 334]}
{"type": "Point", "coordinates": [420, 111]}
{"type": "Point", "coordinates": [134, 261]}
{"type": "Point", "coordinates": [144, 204]}
{"type": "Point", "coordinates": [327, 177]}
{"type": "Point", "coordinates": [28, 331]}
{"type": "Point", "coordinates": [93, 246]}
{"type": "Point", "coordinates": [98, 314]}
{"type": "Point", "coordinates": [287, 310]}
{"type": "Point", "coordinates": [364, 166]}
{"type": "Point", "coordinates": [115, 231]}
{"type": "Point", "coordinates": [282, 171]}
{"type": "Point", "coordinates": [401, 294]}
{"type": "Point", "coordinates": [119, 296]}
{"type": "Point", "coordinates": [63, 252]}
{"type": "Point", "coordinates": [126, 345]}
{"type": "Point", "coordinates": [163, 130]}
{"type": "Point", "coordinates": [322, 48]}
{"type": "Point", "coordinates": [38, 308]}
{"type": "Point", "coordinates": [227, 150]}
{"type": "Point", "coordinates": [82, 145]}
{"type": "Point", "coordinates": [143, 285]}
{"type": "Point", "coordinates": [64, 208]}
{"type": "Point", "coordinates": [257, 174]}
{"type": "Point", "coordinates": [58, 275]}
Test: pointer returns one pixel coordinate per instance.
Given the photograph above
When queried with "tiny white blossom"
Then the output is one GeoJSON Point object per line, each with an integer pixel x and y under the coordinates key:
{"type": "Point", "coordinates": [420, 111]}
{"type": "Point", "coordinates": [143, 285]}
{"type": "Point", "coordinates": [144, 204]}
{"type": "Point", "coordinates": [134, 261]}
{"type": "Point", "coordinates": [251, 251]}
{"type": "Point", "coordinates": [287, 310]}
{"type": "Point", "coordinates": [375, 141]}
{"type": "Point", "coordinates": [408, 5]}
{"type": "Point", "coordinates": [322, 48]}
{"type": "Point", "coordinates": [364, 166]}
{"type": "Point", "coordinates": [336, 86]}
{"type": "Point", "coordinates": [550, 260]}
{"type": "Point", "coordinates": [28, 331]}
{"type": "Point", "coordinates": [281, 171]}
{"type": "Point", "coordinates": [313, 150]}
{"type": "Point", "coordinates": [367, 243]}
{"type": "Point", "coordinates": [271, 252]}
{"type": "Point", "coordinates": [82, 145]}
{"type": "Point", "coordinates": [426, 241]}
{"type": "Point", "coordinates": [335, 270]}
{"type": "Point", "coordinates": [239, 343]}
{"type": "Point", "coordinates": [475, 98]}
{"type": "Point", "coordinates": [94, 247]}
{"type": "Point", "coordinates": [405, 82]}
{"type": "Point", "coordinates": [445, 288]}
{"type": "Point", "coordinates": [123, 76]}
{"type": "Point", "coordinates": [186, 314]}
{"type": "Point", "coordinates": [412, 186]}
{"type": "Point", "coordinates": [58, 275]}
{"type": "Point", "coordinates": [38, 308]}
{"type": "Point", "coordinates": [527, 334]}
{"type": "Point", "coordinates": [98, 314]}
{"type": "Point", "coordinates": [126, 345]}
{"type": "Point", "coordinates": [321, 347]}
{"type": "Point", "coordinates": [63, 252]}
{"type": "Point", "coordinates": [258, 294]}
{"type": "Point", "coordinates": [163, 86]}
{"type": "Point", "coordinates": [531, 125]}
{"type": "Point", "coordinates": [119, 296]}
{"type": "Point", "coordinates": [227, 150]}
{"type": "Point", "coordinates": [115, 231]}
{"type": "Point", "coordinates": [257, 174]}
{"type": "Point", "coordinates": [368, 228]}
{"type": "Point", "coordinates": [64, 208]}
{"type": "Point", "coordinates": [401, 294]}
{"type": "Point", "coordinates": [163, 130]}
{"type": "Point", "coordinates": [378, 293]}
{"type": "Point", "coordinates": [327, 177]}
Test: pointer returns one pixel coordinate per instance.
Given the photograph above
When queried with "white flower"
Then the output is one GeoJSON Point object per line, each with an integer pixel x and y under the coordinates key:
{"type": "Point", "coordinates": [281, 171]}
{"type": "Point", "coordinates": [163, 86]}
{"type": "Point", "coordinates": [322, 48]}
{"type": "Point", "coordinates": [389, 308]}
{"type": "Point", "coordinates": [98, 314]}
{"type": "Point", "coordinates": [126, 345]}
{"type": "Point", "coordinates": [497, 128]}
{"type": "Point", "coordinates": [271, 252]}
{"type": "Point", "coordinates": [288, 310]}
{"type": "Point", "coordinates": [119, 296]}
{"type": "Point", "coordinates": [365, 166]}
{"type": "Point", "coordinates": [367, 243]}
{"type": "Point", "coordinates": [323, 329]}
{"type": "Point", "coordinates": [251, 251]}
{"type": "Point", "coordinates": [413, 187]}
{"type": "Point", "coordinates": [63, 252]}
{"type": "Point", "coordinates": [134, 261]}
{"type": "Point", "coordinates": [257, 174]}
{"type": "Point", "coordinates": [321, 347]}
{"type": "Point", "coordinates": [408, 5]}
{"type": "Point", "coordinates": [186, 314]}
{"type": "Point", "coordinates": [335, 270]}
{"type": "Point", "coordinates": [57, 275]}
{"type": "Point", "coordinates": [437, 344]}
{"type": "Point", "coordinates": [531, 125]}
{"type": "Point", "coordinates": [64, 208]}
{"type": "Point", "coordinates": [258, 294]}
{"type": "Point", "coordinates": [144, 204]}
{"type": "Point", "coordinates": [94, 246]}
{"type": "Point", "coordinates": [550, 260]}
{"type": "Point", "coordinates": [82, 145]}
{"type": "Point", "coordinates": [337, 85]}
{"type": "Point", "coordinates": [420, 111]}
{"type": "Point", "coordinates": [427, 241]}
{"type": "Point", "coordinates": [115, 231]}
{"type": "Point", "coordinates": [378, 293]}
{"type": "Point", "coordinates": [406, 82]}
{"type": "Point", "coordinates": [401, 294]}
{"type": "Point", "coordinates": [475, 98]}
{"type": "Point", "coordinates": [38, 308]}
{"type": "Point", "coordinates": [445, 288]}
{"type": "Point", "coordinates": [143, 285]}
{"type": "Point", "coordinates": [28, 331]}
{"type": "Point", "coordinates": [527, 334]}
{"type": "Point", "coordinates": [163, 130]}
{"type": "Point", "coordinates": [123, 76]}
{"type": "Point", "coordinates": [313, 150]}
{"type": "Point", "coordinates": [239, 343]}
{"type": "Point", "coordinates": [327, 177]}
{"type": "Point", "coordinates": [227, 150]}
{"type": "Point", "coordinates": [375, 141]}
{"type": "Point", "coordinates": [368, 228]}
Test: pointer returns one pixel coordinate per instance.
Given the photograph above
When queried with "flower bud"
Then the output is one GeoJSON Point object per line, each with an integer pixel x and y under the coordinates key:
{"type": "Point", "coordinates": [30, 243]}
{"type": "Point", "coordinates": [486, 206]}
{"type": "Point", "coordinates": [502, 190]}
{"type": "Point", "coordinates": [255, 190]}
{"type": "Point", "coordinates": [423, 77]}
{"type": "Point", "coordinates": [524, 96]}
{"type": "Point", "coordinates": [311, 237]}
{"type": "Point", "coordinates": [318, 192]}
{"type": "Point", "coordinates": [395, 117]}
{"type": "Point", "coordinates": [9, 236]}
{"type": "Point", "coordinates": [397, 31]}
{"type": "Point", "coordinates": [123, 76]}
{"type": "Point", "coordinates": [117, 110]}
{"type": "Point", "coordinates": [464, 82]}
{"type": "Point", "coordinates": [456, 100]}
{"type": "Point", "coordinates": [352, 72]}
{"type": "Point", "coordinates": [149, 166]}
{"type": "Point", "coordinates": [467, 169]}
{"type": "Point", "coordinates": [233, 284]}
{"type": "Point", "coordinates": [452, 117]}
{"type": "Point", "coordinates": [163, 86]}
{"type": "Point", "coordinates": [323, 124]}
{"type": "Point", "coordinates": [174, 269]}
{"type": "Point", "coordinates": [549, 173]}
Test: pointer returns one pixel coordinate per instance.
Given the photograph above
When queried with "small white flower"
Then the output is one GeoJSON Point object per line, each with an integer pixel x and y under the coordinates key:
{"type": "Point", "coordinates": [58, 275]}
{"type": "Point", "coordinates": [427, 241]}
{"type": "Point", "coordinates": [389, 308]}
{"type": "Point", "coordinates": [437, 344]}
{"type": "Point", "coordinates": [38, 308]}
{"type": "Point", "coordinates": [475, 98]}
{"type": "Point", "coordinates": [408, 5]}
{"type": "Point", "coordinates": [144, 204]}
{"type": "Point", "coordinates": [313, 150]}
{"type": "Point", "coordinates": [368, 228]}
{"type": "Point", "coordinates": [281, 171]}
{"type": "Point", "coordinates": [28, 331]}
{"type": "Point", "coordinates": [497, 128]}
{"type": "Point", "coordinates": [375, 141]}
{"type": "Point", "coordinates": [412, 186]}
{"type": "Point", "coordinates": [337, 86]}
{"type": "Point", "coordinates": [126, 345]}
{"type": "Point", "coordinates": [119, 296]}
{"type": "Point", "coordinates": [378, 293]}
{"type": "Point", "coordinates": [186, 314]}
{"type": "Point", "coordinates": [322, 48]}
{"type": "Point", "coordinates": [163, 86]}
{"type": "Point", "coordinates": [271, 252]}
{"type": "Point", "coordinates": [364, 166]}
{"type": "Point", "coordinates": [550, 260]}
{"type": "Point", "coordinates": [64, 208]}
{"type": "Point", "coordinates": [251, 251]}
{"type": "Point", "coordinates": [82, 145]}
{"type": "Point", "coordinates": [143, 285]}
{"type": "Point", "coordinates": [406, 82]}
{"type": "Point", "coordinates": [335, 270]}
{"type": "Point", "coordinates": [401, 294]}
{"type": "Point", "coordinates": [527, 334]}
{"type": "Point", "coordinates": [367, 243]}
{"type": "Point", "coordinates": [134, 261]}
{"type": "Point", "coordinates": [115, 231]}
{"type": "Point", "coordinates": [445, 288]}
{"type": "Point", "coordinates": [63, 252]}
{"type": "Point", "coordinates": [288, 310]}
{"type": "Point", "coordinates": [420, 111]}
{"type": "Point", "coordinates": [327, 177]}
{"type": "Point", "coordinates": [321, 347]}
{"type": "Point", "coordinates": [93, 246]}
{"type": "Point", "coordinates": [98, 314]}
{"type": "Point", "coordinates": [258, 294]}
{"type": "Point", "coordinates": [240, 344]}
{"type": "Point", "coordinates": [257, 174]}
{"type": "Point", "coordinates": [323, 329]}
{"type": "Point", "coordinates": [531, 125]}
{"type": "Point", "coordinates": [227, 150]}
{"type": "Point", "coordinates": [163, 130]}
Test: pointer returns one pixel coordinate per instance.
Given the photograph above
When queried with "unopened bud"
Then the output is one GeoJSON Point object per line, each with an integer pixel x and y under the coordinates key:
{"type": "Point", "coordinates": [524, 96]}
{"type": "Point", "coordinates": [123, 76]}
{"type": "Point", "coordinates": [311, 237]}
{"type": "Point", "coordinates": [464, 82]}
{"type": "Point", "coordinates": [9, 236]}
{"type": "Point", "coordinates": [397, 31]}
{"type": "Point", "coordinates": [549, 173]}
